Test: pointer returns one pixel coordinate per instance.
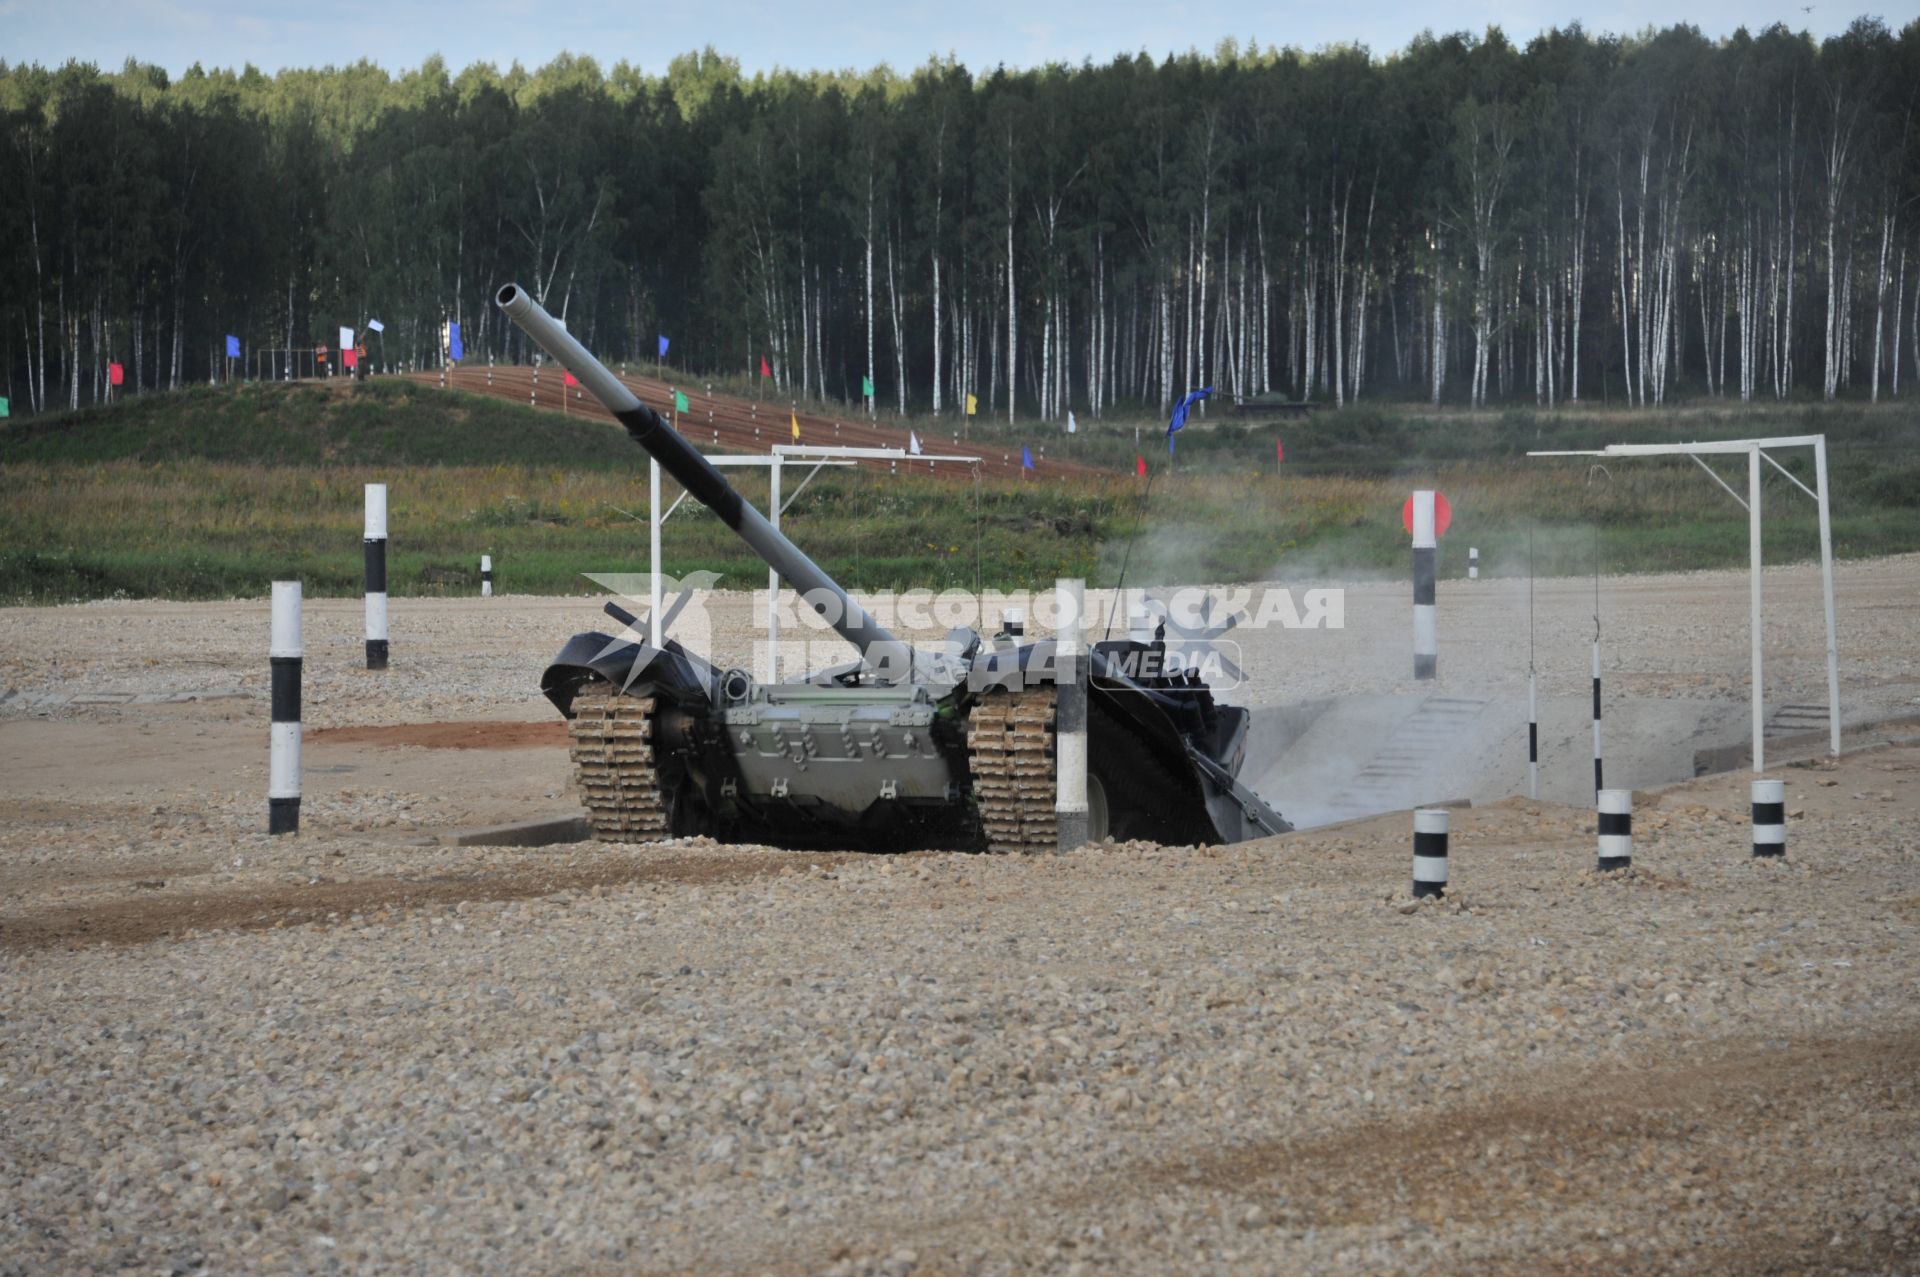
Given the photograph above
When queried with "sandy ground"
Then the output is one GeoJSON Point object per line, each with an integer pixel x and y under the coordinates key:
{"type": "Point", "coordinates": [223, 1052]}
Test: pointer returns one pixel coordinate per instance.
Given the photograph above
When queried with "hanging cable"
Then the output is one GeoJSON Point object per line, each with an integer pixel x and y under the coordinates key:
{"type": "Point", "coordinates": [1121, 584]}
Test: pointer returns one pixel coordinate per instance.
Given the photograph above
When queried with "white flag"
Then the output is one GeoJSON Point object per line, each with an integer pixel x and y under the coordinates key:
{"type": "Point", "coordinates": [1072, 425]}
{"type": "Point", "coordinates": [913, 443]}
{"type": "Point", "coordinates": [375, 326]}
{"type": "Point", "coordinates": [346, 339]}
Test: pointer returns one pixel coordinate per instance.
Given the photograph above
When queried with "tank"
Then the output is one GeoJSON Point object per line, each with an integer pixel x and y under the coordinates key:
{"type": "Point", "coordinates": [901, 748]}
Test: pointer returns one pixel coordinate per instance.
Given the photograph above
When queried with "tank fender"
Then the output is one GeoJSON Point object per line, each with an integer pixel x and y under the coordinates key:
{"type": "Point", "coordinates": [670, 669]}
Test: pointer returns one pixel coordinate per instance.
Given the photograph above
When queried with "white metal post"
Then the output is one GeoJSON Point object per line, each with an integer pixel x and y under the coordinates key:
{"type": "Point", "coordinates": [773, 577]}
{"type": "Point", "coordinates": [1826, 583]}
{"type": "Point", "coordinates": [1070, 811]}
{"type": "Point", "coordinates": [1753, 555]}
{"type": "Point", "coordinates": [653, 551]}
{"type": "Point", "coordinates": [1426, 648]}
{"type": "Point", "coordinates": [284, 655]}
{"type": "Point", "coordinates": [374, 543]}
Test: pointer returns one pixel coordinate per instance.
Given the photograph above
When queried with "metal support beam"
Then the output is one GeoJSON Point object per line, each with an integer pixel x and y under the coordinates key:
{"type": "Point", "coordinates": [795, 494]}
{"type": "Point", "coordinates": [1753, 595]}
{"type": "Point", "coordinates": [1826, 581]}
{"type": "Point", "coordinates": [1790, 479]}
{"type": "Point", "coordinates": [1711, 474]}
{"type": "Point", "coordinates": [1755, 450]}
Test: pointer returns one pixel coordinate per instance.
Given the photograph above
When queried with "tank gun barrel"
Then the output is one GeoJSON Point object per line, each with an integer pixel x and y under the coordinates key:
{"type": "Point", "coordinates": [891, 659]}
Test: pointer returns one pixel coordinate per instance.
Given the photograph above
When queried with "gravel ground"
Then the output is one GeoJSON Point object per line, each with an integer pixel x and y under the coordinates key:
{"type": "Point", "coordinates": [225, 1053]}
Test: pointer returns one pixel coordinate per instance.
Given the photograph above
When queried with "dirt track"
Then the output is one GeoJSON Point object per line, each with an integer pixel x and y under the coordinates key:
{"type": "Point", "coordinates": [745, 425]}
{"type": "Point", "coordinates": [223, 1052]}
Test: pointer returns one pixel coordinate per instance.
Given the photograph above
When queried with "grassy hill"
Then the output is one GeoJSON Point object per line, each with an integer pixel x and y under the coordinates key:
{"type": "Point", "coordinates": [215, 491]}
{"type": "Point", "coordinates": [387, 422]}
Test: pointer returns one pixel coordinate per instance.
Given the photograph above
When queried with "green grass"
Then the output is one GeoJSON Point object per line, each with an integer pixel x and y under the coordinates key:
{"type": "Point", "coordinates": [214, 492]}
{"type": "Point", "coordinates": [386, 422]}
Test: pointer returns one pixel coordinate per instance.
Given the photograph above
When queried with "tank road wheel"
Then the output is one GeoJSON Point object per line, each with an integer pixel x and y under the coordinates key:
{"type": "Point", "coordinates": [613, 763]}
{"type": "Point", "coordinates": [687, 814]}
{"type": "Point", "coordinates": [1099, 820]}
{"type": "Point", "coordinates": [1010, 756]}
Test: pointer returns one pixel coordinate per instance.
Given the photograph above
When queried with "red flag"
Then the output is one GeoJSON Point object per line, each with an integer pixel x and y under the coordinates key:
{"type": "Point", "coordinates": [116, 375]}
{"type": "Point", "coordinates": [766, 370]}
{"type": "Point", "coordinates": [349, 358]}
{"type": "Point", "coordinates": [1140, 465]}
{"type": "Point", "coordinates": [569, 379]}
{"type": "Point", "coordinates": [1279, 451]}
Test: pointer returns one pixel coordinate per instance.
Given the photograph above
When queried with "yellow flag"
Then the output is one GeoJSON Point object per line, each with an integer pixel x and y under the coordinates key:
{"type": "Point", "coordinates": [796, 423]}
{"type": "Point", "coordinates": [973, 405]}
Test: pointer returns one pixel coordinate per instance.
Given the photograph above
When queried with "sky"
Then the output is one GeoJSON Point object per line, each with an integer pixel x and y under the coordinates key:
{"type": "Point", "coordinates": [805, 34]}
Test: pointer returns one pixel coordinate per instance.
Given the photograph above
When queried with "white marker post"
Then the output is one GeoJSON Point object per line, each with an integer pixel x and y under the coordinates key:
{"type": "Point", "coordinates": [1430, 852]}
{"type": "Point", "coordinates": [1473, 563]}
{"type": "Point", "coordinates": [283, 757]}
{"type": "Point", "coordinates": [376, 576]}
{"type": "Point", "coordinates": [486, 576]}
{"type": "Point", "coordinates": [1616, 829]}
{"type": "Point", "coordinates": [654, 517]}
{"type": "Point", "coordinates": [1070, 811]}
{"type": "Point", "coordinates": [1769, 818]}
{"type": "Point", "coordinates": [1426, 650]}
{"type": "Point", "coordinates": [773, 575]}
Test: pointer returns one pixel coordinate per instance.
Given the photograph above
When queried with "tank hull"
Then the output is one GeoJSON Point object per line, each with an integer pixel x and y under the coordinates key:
{"type": "Point", "coordinates": [837, 762]}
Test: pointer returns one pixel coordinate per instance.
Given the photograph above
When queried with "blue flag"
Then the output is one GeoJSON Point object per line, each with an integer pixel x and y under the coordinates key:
{"type": "Point", "coordinates": [1180, 411]}
{"type": "Point", "coordinates": [1026, 458]}
{"type": "Point", "coordinates": [455, 349]}
{"type": "Point", "coordinates": [233, 347]}
{"type": "Point", "coordinates": [663, 348]}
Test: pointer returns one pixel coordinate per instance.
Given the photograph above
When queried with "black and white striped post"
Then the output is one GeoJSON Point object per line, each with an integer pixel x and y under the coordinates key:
{"type": "Point", "coordinates": [1473, 563]}
{"type": "Point", "coordinates": [283, 742]}
{"type": "Point", "coordinates": [1616, 829]}
{"type": "Point", "coordinates": [1070, 811]}
{"type": "Point", "coordinates": [1430, 852]}
{"type": "Point", "coordinates": [1769, 817]}
{"type": "Point", "coordinates": [1533, 736]}
{"type": "Point", "coordinates": [376, 576]}
{"type": "Point", "coordinates": [1426, 651]}
{"type": "Point", "coordinates": [486, 576]}
{"type": "Point", "coordinates": [1598, 783]}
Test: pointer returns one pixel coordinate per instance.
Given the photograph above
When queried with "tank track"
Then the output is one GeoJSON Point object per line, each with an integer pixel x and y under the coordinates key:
{"type": "Point", "coordinates": [613, 763]}
{"type": "Point", "coordinates": [1010, 753]}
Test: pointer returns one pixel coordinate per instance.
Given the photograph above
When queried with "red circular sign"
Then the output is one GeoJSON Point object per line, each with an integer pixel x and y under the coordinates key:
{"type": "Point", "coordinates": [1442, 515]}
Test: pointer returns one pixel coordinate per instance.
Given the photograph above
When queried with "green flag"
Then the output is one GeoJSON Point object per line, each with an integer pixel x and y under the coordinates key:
{"type": "Point", "coordinates": [866, 387]}
{"type": "Point", "coordinates": [6, 407]}
{"type": "Point", "coordinates": [679, 401]}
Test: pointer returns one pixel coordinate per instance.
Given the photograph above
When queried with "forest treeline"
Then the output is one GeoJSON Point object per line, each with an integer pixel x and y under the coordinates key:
{"type": "Point", "coordinates": [1465, 221]}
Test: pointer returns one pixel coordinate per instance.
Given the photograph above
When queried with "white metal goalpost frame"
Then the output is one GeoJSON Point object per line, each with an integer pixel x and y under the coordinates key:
{"type": "Point", "coordinates": [1756, 452]}
{"type": "Point", "coordinates": [811, 455]}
